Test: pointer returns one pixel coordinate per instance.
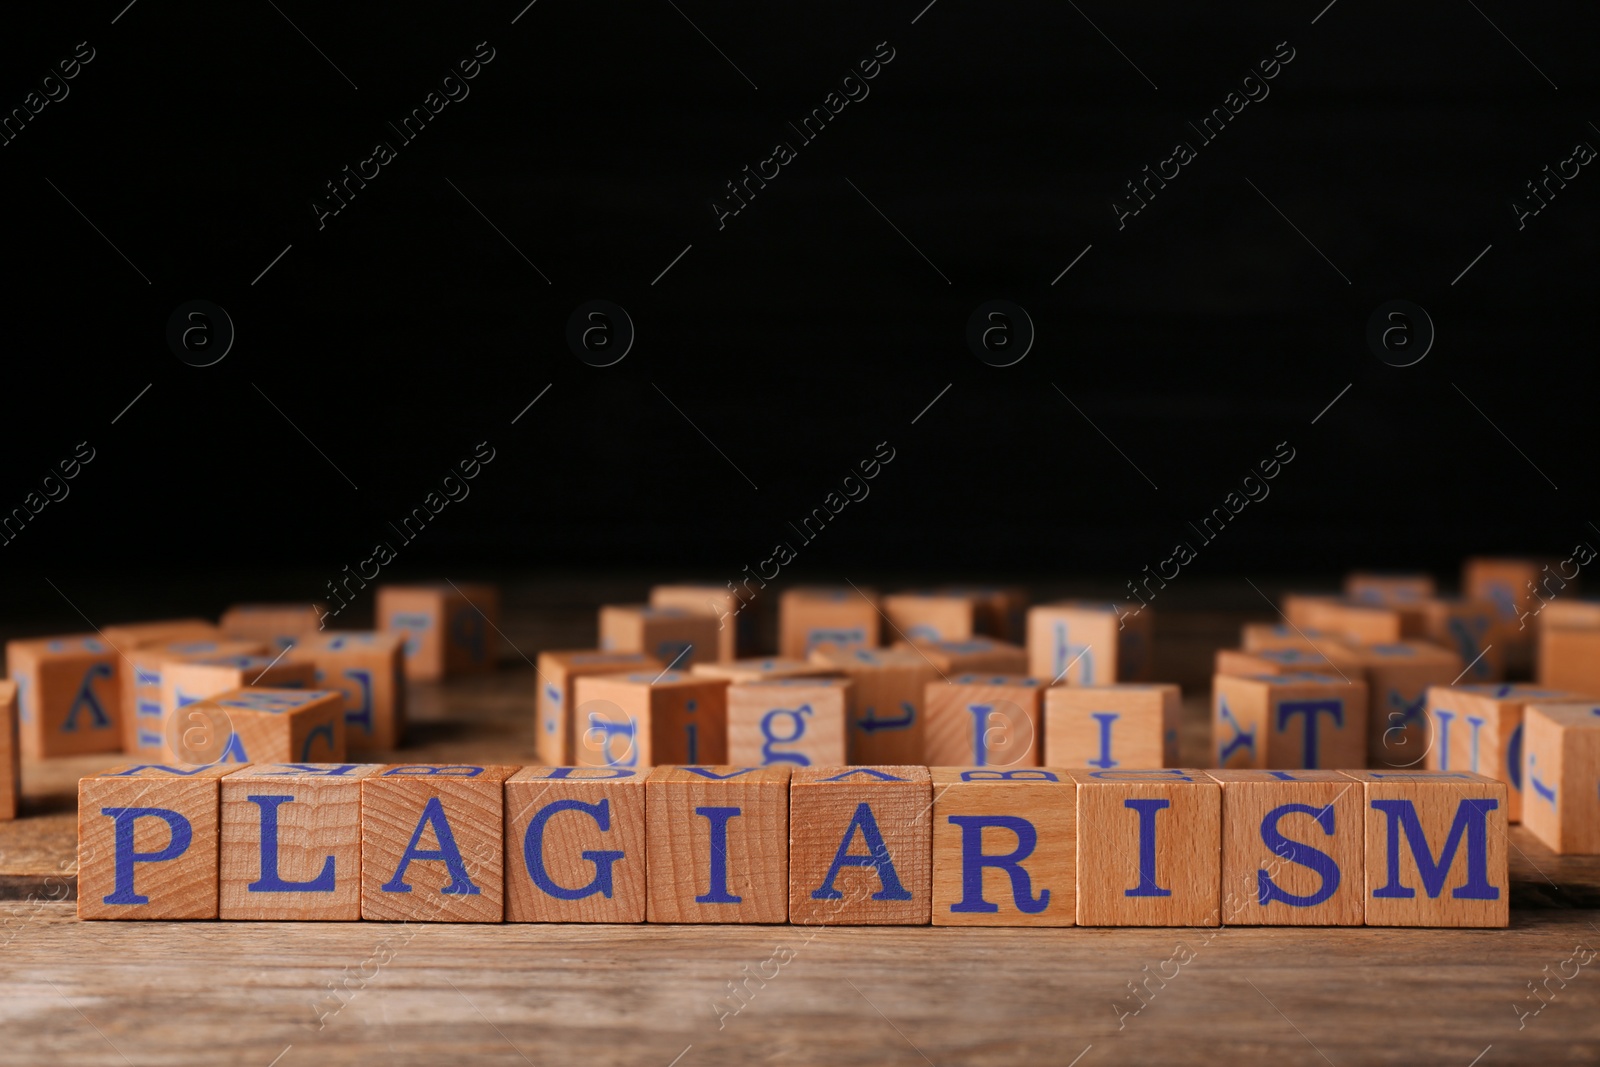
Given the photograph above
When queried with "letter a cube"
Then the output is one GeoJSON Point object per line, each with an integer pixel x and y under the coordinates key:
{"type": "Point", "coordinates": [976, 720]}
{"type": "Point", "coordinates": [717, 844]}
{"type": "Point", "coordinates": [1562, 803]}
{"type": "Point", "coordinates": [809, 618]}
{"type": "Point", "coordinates": [450, 630]}
{"type": "Point", "coordinates": [860, 846]}
{"type": "Point", "coordinates": [277, 725]}
{"type": "Point", "coordinates": [1478, 728]}
{"type": "Point", "coordinates": [1004, 847]}
{"type": "Point", "coordinates": [368, 667]}
{"type": "Point", "coordinates": [291, 841]}
{"type": "Point", "coordinates": [558, 673]}
{"type": "Point", "coordinates": [575, 845]}
{"type": "Point", "coordinates": [66, 695]}
{"type": "Point", "coordinates": [431, 843]}
{"type": "Point", "coordinates": [1106, 726]}
{"type": "Point", "coordinates": [147, 842]}
{"type": "Point", "coordinates": [1088, 643]}
{"type": "Point", "coordinates": [10, 753]}
{"type": "Point", "coordinates": [1289, 721]}
{"type": "Point", "coordinates": [650, 718]}
{"type": "Point", "coordinates": [794, 721]}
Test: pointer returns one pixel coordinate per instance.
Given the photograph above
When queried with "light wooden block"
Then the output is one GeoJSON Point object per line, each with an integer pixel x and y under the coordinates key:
{"type": "Point", "coordinates": [1262, 636]}
{"type": "Point", "coordinates": [1562, 806]}
{"type": "Point", "coordinates": [760, 669]}
{"type": "Point", "coordinates": [1088, 643]}
{"type": "Point", "coordinates": [1005, 847]}
{"type": "Point", "coordinates": [291, 842]}
{"type": "Point", "coordinates": [575, 845]}
{"type": "Point", "coordinates": [1398, 676]}
{"type": "Point", "coordinates": [67, 695]}
{"type": "Point", "coordinates": [676, 637]}
{"type": "Point", "coordinates": [650, 717]}
{"type": "Point", "coordinates": [432, 840]}
{"type": "Point", "coordinates": [736, 628]}
{"type": "Point", "coordinates": [972, 655]}
{"type": "Point", "coordinates": [1569, 611]}
{"type": "Point", "coordinates": [1293, 848]}
{"type": "Point", "coordinates": [1366, 623]}
{"type": "Point", "coordinates": [1108, 726]}
{"type": "Point", "coordinates": [558, 672]}
{"type": "Point", "coordinates": [128, 636]}
{"type": "Point", "coordinates": [368, 667]}
{"type": "Point", "coordinates": [810, 617]}
{"type": "Point", "coordinates": [147, 842]}
{"type": "Point", "coordinates": [717, 844]}
{"type": "Point", "coordinates": [1479, 728]}
{"type": "Point", "coordinates": [984, 720]}
{"type": "Point", "coordinates": [1281, 660]}
{"type": "Point", "coordinates": [1289, 721]}
{"type": "Point", "coordinates": [10, 753]}
{"type": "Point", "coordinates": [1436, 849]}
{"type": "Point", "coordinates": [1569, 658]}
{"type": "Point", "coordinates": [1517, 588]}
{"type": "Point", "coordinates": [1149, 848]}
{"type": "Point", "coordinates": [860, 846]}
{"type": "Point", "coordinates": [1468, 627]}
{"type": "Point", "coordinates": [796, 721]}
{"type": "Point", "coordinates": [1301, 609]}
{"type": "Point", "coordinates": [450, 630]}
{"type": "Point", "coordinates": [279, 625]}
{"type": "Point", "coordinates": [189, 736]}
{"type": "Point", "coordinates": [886, 710]}
{"type": "Point", "coordinates": [1365, 587]}
{"type": "Point", "coordinates": [930, 616]}
{"type": "Point", "coordinates": [998, 611]}
{"type": "Point", "coordinates": [268, 725]}
{"type": "Point", "coordinates": [140, 680]}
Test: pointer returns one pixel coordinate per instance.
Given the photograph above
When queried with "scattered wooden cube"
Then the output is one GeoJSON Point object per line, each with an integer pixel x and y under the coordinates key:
{"type": "Point", "coordinates": [1479, 728]}
{"type": "Point", "coordinates": [431, 841]}
{"type": "Point", "coordinates": [140, 679]}
{"type": "Point", "coordinates": [1106, 726]}
{"type": "Point", "coordinates": [1262, 636]}
{"type": "Point", "coordinates": [886, 711]}
{"type": "Point", "coordinates": [10, 753]}
{"type": "Point", "coordinates": [860, 846]}
{"type": "Point", "coordinates": [1562, 807]}
{"type": "Point", "coordinates": [795, 721]}
{"type": "Point", "coordinates": [1516, 588]}
{"type": "Point", "coordinates": [67, 695]}
{"type": "Point", "coordinates": [984, 720]}
{"type": "Point", "coordinates": [717, 845]}
{"type": "Point", "coordinates": [1569, 657]}
{"type": "Point", "coordinates": [273, 725]}
{"type": "Point", "coordinates": [998, 611]}
{"type": "Point", "coordinates": [972, 655]}
{"type": "Point", "coordinates": [930, 616]}
{"type": "Point", "coordinates": [1398, 676]}
{"type": "Point", "coordinates": [1436, 849]}
{"type": "Point", "coordinates": [147, 842]}
{"type": "Point", "coordinates": [557, 673]}
{"type": "Point", "coordinates": [1282, 660]}
{"type": "Point", "coordinates": [676, 637]}
{"type": "Point", "coordinates": [1293, 848]}
{"type": "Point", "coordinates": [1469, 628]}
{"type": "Point", "coordinates": [1366, 623]}
{"type": "Point", "coordinates": [736, 629]}
{"type": "Point", "coordinates": [649, 718]}
{"type": "Point", "coordinates": [450, 629]}
{"type": "Point", "coordinates": [279, 625]}
{"type": "Point", "coordinates": [368, 667]}
{"type": "Point", "coordinates": [575, 845]}
{"type": "Point", "coordinates": [760, 669]}
{"type": "Point", "coordinates": [1084, 643]}
{"type": "Point", "coordinates": [1149, 848]}
{"type": "Point", "coordinates": [128, 636]}
{"type": "Point", "coordinates": [1369, 588]}
{"type": "Point", "coordinates": [1568, 611]}
{"type": "Point", "coordinates": [291, 841]}
{"type": "Point", "coordinates": [193, 679]}
{"type": "Point", "coordinates": [1004, 847]}
{"type": "Point", "coordinates": [1289, 721]}
{"type": "Point", "coordinates": [809, 617]}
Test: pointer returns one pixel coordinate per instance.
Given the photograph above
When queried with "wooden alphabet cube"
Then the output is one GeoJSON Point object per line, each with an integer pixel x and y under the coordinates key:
{"type": "Point", "coordinates": [10, 753]}
{"type": "Point", "coordinates": [1289, 721]}
{"type": "Point", "coordinates": [1468, 627]}
{"type": "Point", "coordinates": [998, 611]}
{"type": "Point", "coordinates": [1088, 643]}
{"type": "Point", "coordinates": [291, 841]}
{"type": "Point", "coordinates": [67, 696]}
{"type": "Point", "coordinates": [649, 718]}
{"type": "Point", "coordinates": [796, 721]}
{"type": "Point", "coordinates": [860, 846]}
{"type": "Point", "coordinates": [1569, 658]}
{"type": "Point", "coordinates": [147, 842]}
{"type": "Point", "coordinates": [1479, 728]}
{"type": "Point", "coordinates": [193, 679]}
{"type": "Point", "coordinates": [1108, 726]}
{"type": "Point", "coordinates": [279, 625]}
{"type": "Point", "coordinates": [930, 616]}
{"type": "Point", "coordinates": [272, 725]}
{"type": "Point", "coordinates": [128, 636]}
{"type": "Point", "coordinates": [1263, 636]}
{"type": "Point", "coordinates": [368, 667]}
{"type": "Point", "coordinates": [676, 637]}
{"type": "Point", "coordinates": [431, 843]}
{"type": "Point", "coordinates": [760, 669]}
{"type": "Point", "coordinates": [1149, 848]}
{"type": "Point", "coordinates": [1293, 848]}
{"type": "Point", "coordinates": [984, 720]}
{"type": "Point", "coordinates": [1367, 623]}
{"type": "Point", "coordinates": [736, 628]}
{"type": "Point", "coordinates": [809, 617]}
{"type": "Point", "coordinates": [575, 845]}
{"type": "Point", "coordinates": [450, 629]}
{"type": "Point", "coordinates": [1562, 807]}
{"type": "Point", "coordinates": [1369, 588]}
{"type": "Point", "coordinates": [1004, 847]}
{"type": "Point", "coordinates": [718, 848]}
{"type": "Point", "coordinates": [140, 679]}
{"type": "Point", "coordinates": [972, 655]}
{"type": "Point", "coordinates": [1398, 676]}
{"type": "Point", "coordinates": [1436, 849]}
{"type": "Point", "coordinates": [886, 710]}
{"type": "Point", "coordinates": [558, 672]}
{"type": "Point", "coordinates": [1516, 588]}
{"type": "Point", "coordinates": [1302, 609]}
{"type": "Point", "coordinates": [1281, 660]}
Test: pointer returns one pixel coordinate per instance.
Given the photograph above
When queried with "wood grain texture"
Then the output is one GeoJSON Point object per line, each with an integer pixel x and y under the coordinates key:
{"type": "Point", "coordinates": [1562, 776]}
{"type": "Point", "coordinates": [1089, 643]}
{"type": "Point", "coordinates": [280, 725]}
{"type": "Point", "coordinates": [810, 617]}
{"type": "Point", "coordinates": [887, 711]}
{"type": "Point", "coordinates": [1275, 660]}
{"type": "Point", "coordinates": [558, 673]}
{"type": "Point", "coordinates": [590, 846]}
{"type": "Point", "coordinates": [1290, 721]}
{"type": "Point", "coordinates": [677, 637]}
{"type": "Point", "coordinates": [1569, 656]}
{"type": "Point", "coordinates": [1478, 728]}
{"type": "Point", "coordinates": [795, 721]}
{"type": "Point", "coordinates": [979, 720]}
{"type": "Point", "coordinates": [140, 682]}
{"type": "Point", "coordinates": [1027, 814]}
{"type": "Point", "coordinates": [67, 699]}
{"type": "Point", "coordinates": [1106, 726]}
{"type": "Point", "coordinates": [368, 667]}
{"type": "Point", "coordinates": [973, 655]}
{"type": "Point", "coordinates": [860, 845]}
{"type": "Point", "coordinates": [647, 718]}
{"type": "Point", "coordinates": [718, 848]}
{"type": "Point", "coordinates": [930, 616]}
{"type": "Point", "coordinates": [760, 669]}
{"type": "Point", "coordinates": [10, 753]}
{"type": "Point", "coordinates": [192, 680]}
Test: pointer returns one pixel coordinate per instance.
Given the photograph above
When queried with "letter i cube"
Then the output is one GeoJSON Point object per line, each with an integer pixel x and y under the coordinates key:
{"type": "Point", "coordinates": [1562, 803]}
{"type": "Point", "coordinates": [675, 636]}
{"type": "Point", "coordinates": [263, 725]}
{"type": "Point", "coordinates": [1005, 847]}
{"type": "Point", "coordinates": [930, 616]}
{"type": "Point", "coordinates": [809, 618]}
{"type": "Point", "coordinates": [575, 845]}
{"type": "Point", "coordinates": [717, 846]}
{"type": "Point", "coordinates": [142, 720]}
{"type": "Point", "coordinates": [1108, 726]}
{"type": "Point", "coordinates": [66, 695]}
{"type": "Point", "coordinates": [797, 721]}
{"type": "Point", "coordinates": [147, 842]}
{"type": "Point", "coordinates": [1436, 849]}
{"type": "Point", "coordinates": [886, 712]}
{"type": "Point", "coordinates": [976, 720]}
{"type": "Point", "coordinates": [368, 667]}
{"type": "Point", "coordinates": [649, 718]}
{"type": "Point", "coordinates": [1088, 643]}
{"type": "Point", "coordinates": [1149, 848]}
{"type": "Point", "coordinates": [1289, 721]}
{"type": "Point", "coordinates": [291, 841]}
{"type": "Point", "coordinates": [1478, 728]}
{"type": "Point", "coordinates": [1293, 848]}
{"type": "Point", "coordinates": [860, 846]}
{"type": "Point", "coordinates": [558, 673]}
{"type": "Point", "coordinates": [450, 630]}
{"type": "Point", "coordinates": [10, 753]}
{"type": "Point", "coordinates": [431, 843]}
{"type": "Point", "coordinates": [279, 625]}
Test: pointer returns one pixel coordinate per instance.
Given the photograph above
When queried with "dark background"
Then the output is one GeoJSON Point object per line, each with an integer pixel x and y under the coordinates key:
{"type": "Point", "coordinates": [808, 330]}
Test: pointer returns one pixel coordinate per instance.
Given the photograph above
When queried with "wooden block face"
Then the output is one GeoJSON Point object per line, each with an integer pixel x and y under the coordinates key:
{"type": "Point", "coordinates": [557, 673]}
{"type": "Point", "coordinates": [1479, 728]}
{"type": "Point", "coordinates": [886, 712]}
{"type": "Point", "coordinates": [1082, 643]}
{"type": "Point", "coordinates": [188, 735]}
{"type": "Point", "coordinates": [1293, 848]}
{"type": "Point", "coordinates": [760, 669]}
{"type": "Point", "coordinates": [575, 845]}
{"type": "Point", "coordinates": [1569, 612]}
{"type": "Point", "coordinates": [67, 695]}
{"type": "Point", "coordinates": [140, 681]}
{"type": "Point", "coordinates": [1518, 589]}
{"type": "Point", "coordinates": [736, 628]}
{"type": "Point", "coordinates": [1388, 588]}
{"type": "Point", "coordinates": [431, 843]}
{"type": "Point", "coordinates": [1110, 726]}
{"type": "Point", "coordinates": [279, 625]}
{"type": "Point", "coordinates": [860, 846]}
{"type": "Point", "coordinates": [291, 841]}
{"type": "Point", "coordinates": [10, 753]}
{"type": "Point", "coordinates": [930, 616]}
{"type": "Point", "coordinates": [675, 636]}
{"type": "Point", "coordinates": [649, 718]}
{"type": "Point", "coordinates": [999, 612]}
{"type": "Point", "coordinates": [984, 720]}
{"type": "Point", "coordinates": [1398, 676]}
{"type": "Point", "coordinates": [972, 655]}
{"type": "Point", "coordinates": [450, 630]}
{"type": "Point", "coordinates": [1005, 847]}
{"type": "Point", "coordinates": [717, 847]}
{"type": "Point", "coordinates": [147, 842]}
{"type": "Point", "coordinates": [1569, 658]}
{"type": "Point", "coordinates": [1468, 628]}
{"type": "Point", "coordinates": [809, 618]}
{"type": "Point", "coordinates": [1562, 804]}
{"type": "Point", "coordinates": [1149, 848]}
{"type": "Point", "coordinates": [278, 725]}
{"type": "Point", "coordinates": [1289, 721]}
{"type": "Point", "coordinates": [129, 636]}
{"type": "Point", "coordinates": [1263, 636]}
{"type": "Point", "coordinates": [1274, 661]}
{"type": "Point", "coordinates": [368, 667]}
{"type": "Point", "coordinates": [1436, 849]}
{"type": "Point", "coordinates": [799, 722]}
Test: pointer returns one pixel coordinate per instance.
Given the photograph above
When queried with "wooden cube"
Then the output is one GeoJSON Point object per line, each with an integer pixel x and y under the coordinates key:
{"type": "Point", "coordinates": [193, 679]}
{"type": "Point", "coordinates": [1084, 643]}
{"type": "Point", "coordinates": [272, 725]}
{"type": "Point", "coordinates": [128, 636]}
{"type": "Point", "coordinates": [1398, 676]}
{"type": "Point", "coordinates": [1263, 636]}
{"type": "Point", "coordinates": [10, 753]}
{"type": "Point", "coordinates": [760, 669]}
{"type": "Point", "coordinates": [1436, 849]}
{"type": "Point", "coordinates": [676, 637]}
{"type": "Point", "coordinates": [140, 680]}
{"type": "Point", "coordinates": [1569, 611]}
{"type": "Point", "coordinates": [1478, 728]}
{"type": "Point", "coordinates": [736, 628]}
{"type": "Point", "coordinates": [558, 672]}
{"type": "Point", "coordinates": [1569, 658]}
{"type": "Point", "coordinates": [650, 717]}
{"type": "Point", "coordinates": [886, 710]}
{"type": "Point", "coordinates": [575, 845]}
{"type": "Point", "coordinates": [1281, 660]}
{"type": "Point", "coordinates": [930, 616]}
{"type": "Point", "coordinates": [1293, 848]}
{"type": "Point", "coordinates": [860, 846]}
{"type": "Point", "coordinates": [66, 695]}
{"type": "Point", "coordinates": [795, 721]}
{"type": "Point", "coordinates": [717, 844]}
{"type": "Point", "coordinates": [998, 611]}
{"type": "Point", "coordinates": [147, 842]}
{"type": "Point", "coordinates": [847, 619]}
{"type": "Point", "coordinates": [1516, 588]}
{"type": "Point", "coordinates": [1149, 848]}
{"type": "Point", "coordinates": [1108, 726]}
{"type": "Point", "coordinates": [972, 655]}
{"type": "Point", "coordinates": [1302, 609]}
{"type": "Point", "coordinates": [1468, 627]}
{"type": "Point", "coordinates": [279, 625]}
{"type": "Point", "coordinates": [1005, 847]}
{"type": "Point", "coordinates": [1562, 807]}
{"type": "Point", "coordinates": [1366, 623]}
{"type": "Point", "coordinates": [1289, 721]}
{"type": "Point", "coordinates": [984, 720]}
{"type": "Point", "coordinates": [368, 667]}
{"type": "Point", "coordinates": [431, 843]}
{"type": "Point", "coordinates": [291, 841]}
{"type": "Point", "coordinates": [1370, 588]}
{"type": "Point", "coordinates": [450, 630]}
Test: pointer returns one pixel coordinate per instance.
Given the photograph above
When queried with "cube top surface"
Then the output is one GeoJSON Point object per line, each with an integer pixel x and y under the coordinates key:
{"type": "Point", "coordinates": [64, 645]}
{"type": "Point", "coordinates": [165, 770]}
{"type": "Point", "coordinates": [353, 641]}
{"type": "Point", "coordinates": [1158, 776]}
{"type": "Point", "coordinates": [652, 680]}
{"type": "Point", "coordinates": [272, 701]}
{"type": "Point", "coordinates": [867, 658]}
{"type": "Point", "coordinates": [1421, 776]}
{"type": "Point", "coordinates": [1293, 678]}
{"type": "Point", "coordinates": [428, 771]}
{"type": "Point", "coordinates": [1582, 716]}
{"type": "Point", "coordinates": [861, 776]}
{"type": "Point", "coordinates": [1001, 776]}
{"type": "Point", "coordinates": [1286, 777]}
{"type": "Point", "coordinates": [539, 773]}
{"type": "Point", "coordinates": [817, 682]}
{"type": "Point", "coordinates": [777, 774]}
{"type": "Point", "coordinates": [1015, 681]}
{"type": "Point", "coordinates": [335, 772]}
{"type": "Point", "coordinates": [589, 658]}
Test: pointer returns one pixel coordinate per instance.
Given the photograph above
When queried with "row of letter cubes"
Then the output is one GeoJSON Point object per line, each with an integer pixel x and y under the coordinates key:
{"type": "Point", "coordinates": [840, 845]}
